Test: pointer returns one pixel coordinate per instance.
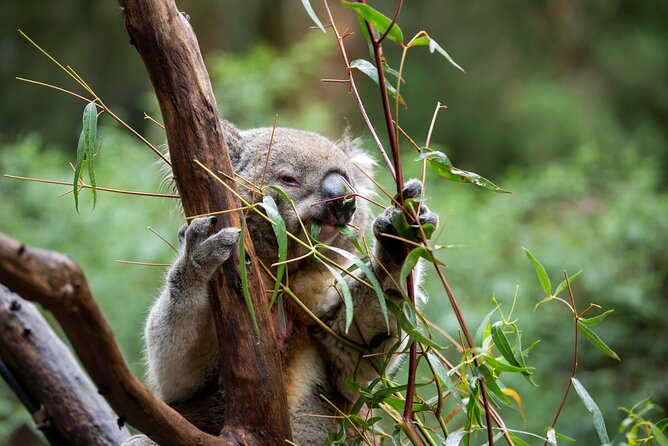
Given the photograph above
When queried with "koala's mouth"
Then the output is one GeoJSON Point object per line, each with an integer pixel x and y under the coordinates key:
{"type": "Point", "coordinates": [328, 232]}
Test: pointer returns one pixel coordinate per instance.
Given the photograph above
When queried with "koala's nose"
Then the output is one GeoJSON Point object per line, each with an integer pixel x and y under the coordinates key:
{"type": "Point", "coordinates": [339, 208]}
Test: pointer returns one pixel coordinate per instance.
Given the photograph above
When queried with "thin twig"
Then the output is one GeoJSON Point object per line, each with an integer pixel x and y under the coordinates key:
{"type": "Point", "coordinates": [87, 186]}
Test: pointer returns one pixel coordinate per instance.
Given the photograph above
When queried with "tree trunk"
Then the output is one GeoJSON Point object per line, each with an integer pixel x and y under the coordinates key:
{"type": "Point", "coordinates": [250, 365]}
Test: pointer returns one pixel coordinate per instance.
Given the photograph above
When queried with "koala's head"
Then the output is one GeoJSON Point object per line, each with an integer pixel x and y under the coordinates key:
{"type": "Point", "coordinates": [320, 176]}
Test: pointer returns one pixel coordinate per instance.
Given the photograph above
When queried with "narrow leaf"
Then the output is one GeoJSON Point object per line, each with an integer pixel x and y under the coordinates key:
{"type": "Point", "coordinates": [369, 69]}
{"type": "Point", "coordinates": [658, 435]}
{"type": "Point", "coordinates": [411, 329]}
{"type": "Point", "coordinates": [380, 294]}
{"type": "Point", "coordinates": [592, 321]}
{"type": "Point", "coordinates": [444, 376]}
{"type": "Point", "coordinates": [492, 386]}
{"type": "Point", "coordinates": [281, 233]}
{"type": "Point", "coordinates": [564, 284]}
{"type": "Point", "coordinates": [412, 259]}
{"type": "Point", "coordinates": [244, 279]}
{"type": "Point", "coordinates": [378, 20]}
{"type": "Point", "coordinates": [500, 366]}
{"type": "Point", "coordinates": [454, 438]}
{"type": "Point", "coordinates": [501, 342]}
{"type": "Point", "coordinates": [597, 341]}
{"type": "Point", "coordinates": [311, 13]}
{"type": "Point", "coordinates": [599, 423]}
{"type": "Point", "coordinates": [342, 286]}
{"type": "Point", "coordinates": [542, 274]}
{"type": "Point", "coordinates": [442, 166]}
{"type": "Point", "coordinates": [86, 152]}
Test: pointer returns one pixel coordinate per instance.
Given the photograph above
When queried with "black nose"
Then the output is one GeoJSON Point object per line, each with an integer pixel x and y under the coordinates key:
{"type": "Point", "coordinates": [339, 203]}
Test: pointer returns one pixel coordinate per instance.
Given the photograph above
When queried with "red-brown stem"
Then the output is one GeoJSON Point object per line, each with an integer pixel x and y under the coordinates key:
{"type": "Point", "coordinates": [469, 341]}
{"type": "Point", "coordinates": [394, 20]}
{"type": "Point", "coordinates": [574, 370]}
{"type": "Point", "coordinates": [358, 99]}
{"type": "Point", "coordinates": [387, 111]}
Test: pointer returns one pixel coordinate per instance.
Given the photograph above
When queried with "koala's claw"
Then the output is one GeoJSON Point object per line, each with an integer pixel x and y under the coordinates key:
{"type": "Point", "coordinates": [205, 253]}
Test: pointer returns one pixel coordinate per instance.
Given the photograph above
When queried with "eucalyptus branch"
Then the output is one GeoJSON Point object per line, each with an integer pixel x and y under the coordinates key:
{"type": "Point", "coordinates": [353, 88]}
{"type": "Point", "coordinates": [574, 369]}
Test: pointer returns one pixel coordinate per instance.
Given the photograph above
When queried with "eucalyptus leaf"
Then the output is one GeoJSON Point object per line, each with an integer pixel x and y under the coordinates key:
{"type": "Point", "coordinates": [444, 377]}
{"type": "Point", "coordinates": [281, 233]}
{"type": "Point", "coordinates": [86, 152]}
{"type": "Point", "coordinates": [592, 408]}
{"type": "Point", "coordinates": [564, 284]}
{"type": "Point", "coordinates": [592, 321]}
{"type": "Point", "coordinates": [597, 341]}
{"type": "Point", "coordinates": [378, 20]}
{"type": "Point", "coordinates": [244, 278]}
{"type": "Point", "coordinates": [542, 274]}
{"type": "Point", "coordinates": [344, 292]}
{"type": "Point", "coordinates": [442, 166]}
{"type": "Point", "coordinates": [369, 69]}
{"type": "Point", "coordinates": [426, 40]}
{"type": "Point", "coordinates": [311, 13]}
{"type": "Point", "coordinates": [380, 294]}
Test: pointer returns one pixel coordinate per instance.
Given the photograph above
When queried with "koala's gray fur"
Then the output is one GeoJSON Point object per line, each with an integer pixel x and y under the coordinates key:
{"type": "Point", "coordinates": [181, 344]}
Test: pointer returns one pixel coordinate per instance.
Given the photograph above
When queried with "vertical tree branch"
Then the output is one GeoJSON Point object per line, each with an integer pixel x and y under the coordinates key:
{"type": "Point", "coordinates": [250, 371]}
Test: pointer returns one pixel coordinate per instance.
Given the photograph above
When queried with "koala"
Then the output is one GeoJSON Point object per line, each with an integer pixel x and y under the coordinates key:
{"type": "Point", "coordinates": [322, 178]}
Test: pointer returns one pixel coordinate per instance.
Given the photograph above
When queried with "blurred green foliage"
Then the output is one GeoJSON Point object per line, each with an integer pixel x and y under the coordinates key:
{"type": "Point", "coordinates": [563, 103]}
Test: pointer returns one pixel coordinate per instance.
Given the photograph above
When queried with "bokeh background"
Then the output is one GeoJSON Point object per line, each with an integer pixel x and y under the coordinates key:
{"type": "Point", "coordinates": [563, 102]}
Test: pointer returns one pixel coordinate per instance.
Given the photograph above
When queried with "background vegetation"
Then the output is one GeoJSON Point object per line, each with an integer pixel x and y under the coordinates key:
{"type": "Point", "coordinates": [564, 103]}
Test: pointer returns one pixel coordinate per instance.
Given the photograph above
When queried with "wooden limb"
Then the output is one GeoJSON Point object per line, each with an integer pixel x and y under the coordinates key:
{"type": "Point", "coordinates": [256, 411]}
{"type": "Point", "coordinates": [56, 281]}
{"type": "Point", "coordinates": [52, 380]}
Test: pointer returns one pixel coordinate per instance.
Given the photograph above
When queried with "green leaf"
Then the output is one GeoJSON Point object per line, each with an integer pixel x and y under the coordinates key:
{"type": "Point", "coordinates": [658, 435]}
{"type": "Point", "coordinates": [563, 285]}
{"type": "Point", "coordinates": [86, 152]}
{"type": "Point", "coordinates": [442, 166]}
{"type": "Point", "coordinates": [311, 13]}
{"type": "Point", "coordinates": [281, 233]}
{"type": "Point", "coordinates": [378, 20]}
{"type": "Point", "coordinates": [501, 342]}
{"type": "Point", "coordinates": [408, 327]}
{"type": "Point", "coordinates": [244, 278]}
{"type": "Point", "coordinates": [345, 293]}
{"type": "Point", "coordinates": [350, 235]}
{"type": "Point", "coordinates": [592, 321]}
{"type": "Point", "coordinates": [599, 423]}
{"type": "Point", "coordinates": [484, 328]}
{"type": "Point", "coordinates": [369, 69]}
{"type": "Point", "coordinates": [542, 274]}
{"type": "Point", "coordinates": [444, 376]}
{"type": "Point", "coordinates": [412, 259]}
{"type": "Point", "coordinates": [380, 294]}
{"type": "Point", "coordinates": [454, 438]}
{"type": "Point", "coordinates": [434, 46]}
{"type": "Point", "coordinates": [598, 343]}
{"type": "Point", "coordinates": [500, 366]}
{"type": "Point", "coordinates": [492, 386]}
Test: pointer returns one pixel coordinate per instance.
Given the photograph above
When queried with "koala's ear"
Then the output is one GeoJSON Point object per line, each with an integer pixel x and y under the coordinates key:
{"type": "Point", "coordinates": [348, 144]}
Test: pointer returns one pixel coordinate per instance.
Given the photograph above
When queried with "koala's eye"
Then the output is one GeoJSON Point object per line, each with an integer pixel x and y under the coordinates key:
{"type": "Point", "coordinates": [289, 180]}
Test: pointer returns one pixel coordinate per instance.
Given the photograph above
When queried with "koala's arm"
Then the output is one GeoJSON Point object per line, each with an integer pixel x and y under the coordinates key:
{"type": "Point", "coordinates": [369, 328]}
{"type": "Point", "coordinates": [181, 344]}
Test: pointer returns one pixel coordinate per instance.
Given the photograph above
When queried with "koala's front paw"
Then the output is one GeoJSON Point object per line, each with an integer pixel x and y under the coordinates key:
{"type": "Point", "coordinates": [385, 223]}
{"type": "Point", "coordinates": [205, 253]}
